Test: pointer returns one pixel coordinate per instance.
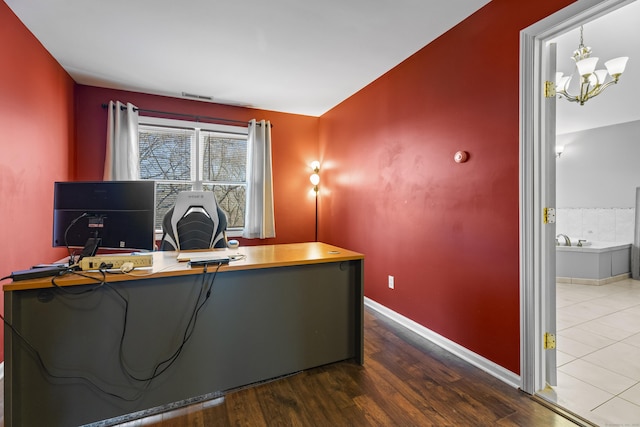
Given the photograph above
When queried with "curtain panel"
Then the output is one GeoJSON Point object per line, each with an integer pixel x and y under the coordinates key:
{"type": "Point", "coordinates": [121, 161]}
{"type": "Point", "coordinates": [259, 219]}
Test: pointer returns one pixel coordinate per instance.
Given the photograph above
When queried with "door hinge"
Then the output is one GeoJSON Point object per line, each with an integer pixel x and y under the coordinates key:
{"type": "Point", "coordinates": [549, 341]}
{"type": "Point", "coordinates": [549, 89]}
{"type": "Point", "coordinates": [549, 216]}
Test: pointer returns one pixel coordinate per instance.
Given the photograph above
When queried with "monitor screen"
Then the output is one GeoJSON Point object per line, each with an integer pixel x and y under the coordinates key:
{"type": "Point", "coordinates": [117, 214]}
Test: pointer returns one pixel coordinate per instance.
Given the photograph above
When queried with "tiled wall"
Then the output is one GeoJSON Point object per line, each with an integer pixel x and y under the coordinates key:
{"type": "Point", "coordinates": [597, 224]}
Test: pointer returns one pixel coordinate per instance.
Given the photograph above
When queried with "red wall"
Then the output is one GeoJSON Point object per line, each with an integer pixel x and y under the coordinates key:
{"type": "Point", "coordinates": [448, 232]}
{"type": "Point", "coordinates": [390, 188]}
{"type": "Point", "coordinates": [36, 138]}
{"type": "Point", "coordinates": [294, 144]}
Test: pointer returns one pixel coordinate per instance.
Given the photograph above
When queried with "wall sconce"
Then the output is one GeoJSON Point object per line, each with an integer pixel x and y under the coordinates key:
{"type": "Point", "coordinates": [559, 150]}
{"type": "Point", "coordinates": [315, 177]}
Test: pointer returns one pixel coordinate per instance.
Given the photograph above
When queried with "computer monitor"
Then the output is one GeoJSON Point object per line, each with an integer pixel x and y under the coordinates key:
{"type": "Point", "coordinates": [111, 214]}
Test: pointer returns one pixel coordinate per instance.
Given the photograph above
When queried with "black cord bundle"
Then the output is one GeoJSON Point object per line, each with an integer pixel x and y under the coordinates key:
{"type": "Point", "coordinates": [162, 366]}
{"type": "Point", "coordinates": [66, 242]}
{"type": "Point", "coordinates": [159, 369]}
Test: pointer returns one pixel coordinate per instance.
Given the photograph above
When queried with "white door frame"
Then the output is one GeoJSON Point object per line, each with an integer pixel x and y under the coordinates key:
{"type": "Point", "coordinates": [535, 178]}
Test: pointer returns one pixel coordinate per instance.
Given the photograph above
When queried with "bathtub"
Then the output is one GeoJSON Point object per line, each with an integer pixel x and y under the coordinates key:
{"type": "Point", "coordinates": [596, 263]}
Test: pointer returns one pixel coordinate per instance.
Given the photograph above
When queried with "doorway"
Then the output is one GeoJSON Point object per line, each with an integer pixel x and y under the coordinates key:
{"type": "Point", "coordinates": [538, 367]}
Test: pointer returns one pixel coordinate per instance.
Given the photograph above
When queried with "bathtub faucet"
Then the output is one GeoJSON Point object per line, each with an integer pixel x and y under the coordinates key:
{"type": "Point", "coordinates": [567, 241]}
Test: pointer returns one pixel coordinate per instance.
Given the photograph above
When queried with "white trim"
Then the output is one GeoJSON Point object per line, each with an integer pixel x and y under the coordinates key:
{"type": "Point", "coordinates": [465, 354]}
{"type": "Point", "coordinates": [534, 177]}
{"type": "Point", "coordinates": [190, 124]}
{"type": "Point", "coordinates": [2, 370]}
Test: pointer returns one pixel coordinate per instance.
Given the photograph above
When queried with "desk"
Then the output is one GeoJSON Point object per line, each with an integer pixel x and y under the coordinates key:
{"type": "Point", "coordinates": [280, 310]}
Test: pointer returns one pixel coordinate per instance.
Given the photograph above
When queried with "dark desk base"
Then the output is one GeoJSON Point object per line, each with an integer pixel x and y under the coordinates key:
{"type": "Point", "coordinates": [257, 325]}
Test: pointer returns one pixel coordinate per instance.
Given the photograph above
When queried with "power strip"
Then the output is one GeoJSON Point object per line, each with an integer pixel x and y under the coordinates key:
{"type": "Point", "coordinates": [109, 262]}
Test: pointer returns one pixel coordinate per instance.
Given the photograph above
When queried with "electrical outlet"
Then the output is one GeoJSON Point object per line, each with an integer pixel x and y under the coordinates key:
{"type": "Point", "coordinates": [392, 283]}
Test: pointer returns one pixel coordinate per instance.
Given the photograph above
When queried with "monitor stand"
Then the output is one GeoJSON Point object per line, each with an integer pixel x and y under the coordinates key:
{"type": "Point", "coordinates": [91, 247]}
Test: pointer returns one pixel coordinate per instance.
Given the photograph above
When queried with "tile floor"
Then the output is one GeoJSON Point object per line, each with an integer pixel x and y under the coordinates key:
{"type": "Point", "coordinates": [598, 351]}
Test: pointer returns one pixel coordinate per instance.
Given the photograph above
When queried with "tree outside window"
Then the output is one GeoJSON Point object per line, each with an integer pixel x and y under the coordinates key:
{"type": "Point", "coordinates": [181, 156]}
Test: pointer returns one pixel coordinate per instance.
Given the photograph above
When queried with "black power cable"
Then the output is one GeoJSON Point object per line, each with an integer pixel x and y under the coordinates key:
{"type": "Point", "coordinates": [164, 365]}
{"type": "Point", "coordinates": [160, 367]}
{"type": "Point", "coordinates": [66, 242]}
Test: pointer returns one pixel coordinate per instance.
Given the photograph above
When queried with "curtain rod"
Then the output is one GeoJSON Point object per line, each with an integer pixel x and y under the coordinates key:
{"type": "Point", "coordinates": [192, 116]}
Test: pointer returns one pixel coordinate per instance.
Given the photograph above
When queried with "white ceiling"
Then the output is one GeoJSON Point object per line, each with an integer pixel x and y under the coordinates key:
{"type": "Point", "coordinates": [615, 34]}
{"type": "Point", "coordinates": [293, 56]}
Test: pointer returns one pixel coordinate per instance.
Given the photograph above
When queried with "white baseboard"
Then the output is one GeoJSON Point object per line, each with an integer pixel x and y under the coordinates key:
{"type": "Point", "coordinates": [463, 353]}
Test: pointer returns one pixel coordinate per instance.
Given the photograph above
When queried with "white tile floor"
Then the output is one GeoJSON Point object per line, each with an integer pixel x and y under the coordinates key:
{"type": "Point", "coordinates": [598, 351]}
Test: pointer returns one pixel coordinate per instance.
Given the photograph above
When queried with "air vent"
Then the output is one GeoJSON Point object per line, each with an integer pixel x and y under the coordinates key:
{"type": "Point", "coordinates": [194, 96]}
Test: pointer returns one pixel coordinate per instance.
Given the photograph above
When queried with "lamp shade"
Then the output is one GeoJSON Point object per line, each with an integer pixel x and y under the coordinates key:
{"type": "Point", "coordinates": [586, 66]}
{"type": "Point", "coordinates": [315, 179]}
{"type": "Point", "coordinates": [563, 83]}
{"type": "Point", "coordinates": [598, 77]}
{"type": "Point", "coordinates": [616, 66]}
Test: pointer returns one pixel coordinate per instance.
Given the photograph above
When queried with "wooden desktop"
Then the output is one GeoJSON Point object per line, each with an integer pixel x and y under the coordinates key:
{"type": "Point", "coordinates": [277, 310]}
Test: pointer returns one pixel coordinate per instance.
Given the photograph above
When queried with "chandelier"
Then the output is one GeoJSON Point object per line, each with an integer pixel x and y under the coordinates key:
{"type": "Point", "coordinates": [592, 82]}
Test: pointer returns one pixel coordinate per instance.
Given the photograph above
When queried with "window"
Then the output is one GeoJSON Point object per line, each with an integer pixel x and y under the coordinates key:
{"type": "Point", "coordinates": [182, 155]}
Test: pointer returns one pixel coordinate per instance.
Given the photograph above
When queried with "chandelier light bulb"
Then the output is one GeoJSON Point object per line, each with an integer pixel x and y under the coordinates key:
{"type": "Point", "coordinates": [562, 82]}
{"type": "Point", "coordinates": [598, 77]}
{"type": "Point", "coordinates": [616, 66]}
{"type": "Point", "coordinates": [586, 66]}
{"type": "Point", "coordinates": [315, 179]}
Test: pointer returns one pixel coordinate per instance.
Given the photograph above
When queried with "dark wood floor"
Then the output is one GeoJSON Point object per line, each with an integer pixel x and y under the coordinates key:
{"type": "Point", "coordinates": [406, 381]}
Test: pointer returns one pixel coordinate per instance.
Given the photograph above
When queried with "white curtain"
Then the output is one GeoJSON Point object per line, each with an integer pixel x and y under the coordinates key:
{"type": "Point", "coordinates": [259, 220]}
{"type": "Point", "coordinates": [121, 161]}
